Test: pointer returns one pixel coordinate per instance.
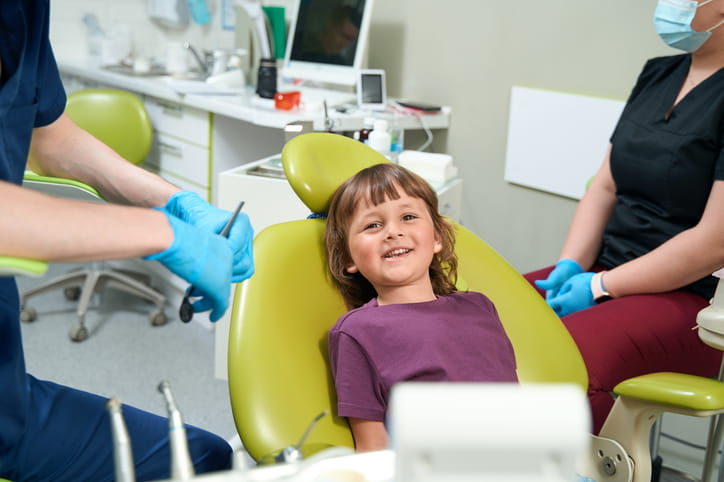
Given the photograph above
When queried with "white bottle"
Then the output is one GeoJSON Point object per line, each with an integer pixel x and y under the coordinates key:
{"type": "Point", "coordinates": [379, 139]}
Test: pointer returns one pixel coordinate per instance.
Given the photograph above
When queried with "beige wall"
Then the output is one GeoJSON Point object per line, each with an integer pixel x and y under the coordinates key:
{"type": "Point", "coordinates": [468, 54]}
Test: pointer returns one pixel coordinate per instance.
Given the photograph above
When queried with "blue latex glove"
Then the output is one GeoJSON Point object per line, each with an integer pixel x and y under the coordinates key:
{"type": "Point", "coordinates": [188, 206]}
{"type": "Point", "coordinates": [564, 270]}
{"type": "Point", "coordinates": [574, 295]}
{"type": "Point", "coordinates": [204, 260]}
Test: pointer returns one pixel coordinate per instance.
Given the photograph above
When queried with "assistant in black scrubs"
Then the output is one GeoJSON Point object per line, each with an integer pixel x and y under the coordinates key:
{"type": "Point", "coordinates": [664, 160]}
{"type": "Point", "coordinates": [637, 262]}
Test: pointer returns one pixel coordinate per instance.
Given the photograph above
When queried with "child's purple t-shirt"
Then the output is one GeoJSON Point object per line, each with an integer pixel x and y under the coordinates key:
{"type": "Point", "coordinates": [457, 337]}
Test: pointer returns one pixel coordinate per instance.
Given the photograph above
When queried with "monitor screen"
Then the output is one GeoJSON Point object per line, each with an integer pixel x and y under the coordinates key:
{"type": "Point", "coordinates": [327, 39]}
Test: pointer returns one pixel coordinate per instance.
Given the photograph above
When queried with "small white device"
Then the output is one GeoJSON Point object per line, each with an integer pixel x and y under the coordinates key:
{"type": "Point", "coordinates": [488, 432]}
{"type": "Point", "coordinates": [371, 89]}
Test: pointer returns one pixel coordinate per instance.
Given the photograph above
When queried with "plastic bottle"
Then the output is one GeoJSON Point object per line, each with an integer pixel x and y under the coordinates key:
{"type": "Point", "coordinates": [397, 142]}
{"type": "Point", "coordinates": [379, 139]}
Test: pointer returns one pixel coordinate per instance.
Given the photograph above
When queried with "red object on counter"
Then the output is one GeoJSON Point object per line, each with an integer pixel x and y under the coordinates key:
{"type": "Point", "coordinates": [287, 100]}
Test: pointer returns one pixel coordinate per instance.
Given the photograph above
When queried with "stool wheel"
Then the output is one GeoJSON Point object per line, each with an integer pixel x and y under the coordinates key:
{"type": "Point", "coordinates": [28, 315]}
{"type": "Point", "coordinates": [78, 333]}
{"type": "Point", "coordinates": [72, 293]}
{"type": "Point", "coordinates": [158, 318]}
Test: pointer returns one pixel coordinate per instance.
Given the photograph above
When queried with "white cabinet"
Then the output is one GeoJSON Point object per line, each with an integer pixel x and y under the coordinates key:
{"type": "Point", "coordinates": [188, 123]}
{"type": "Point", "coordinates": [181, 150]}
{"type": "Point", "coordinates": [268, 199]}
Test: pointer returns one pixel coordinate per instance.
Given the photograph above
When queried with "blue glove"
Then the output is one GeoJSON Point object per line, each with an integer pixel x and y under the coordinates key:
{"type": "Point", "coordinates": [574, 295]}
{"type": "Point", "coordinates": [204, 260]}
{"type": "Point", "coordinates": [188, 206]}
{"type": "Point", "coordinates": [563, 271]}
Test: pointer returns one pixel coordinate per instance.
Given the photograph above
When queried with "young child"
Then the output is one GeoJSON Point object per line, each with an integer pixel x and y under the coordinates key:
{"type": "Point", "coordinates": [391, 255]}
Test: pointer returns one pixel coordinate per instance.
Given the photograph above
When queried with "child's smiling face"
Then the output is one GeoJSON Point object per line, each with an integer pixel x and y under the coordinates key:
{"type": "Point", "coordinates": [392, 245]}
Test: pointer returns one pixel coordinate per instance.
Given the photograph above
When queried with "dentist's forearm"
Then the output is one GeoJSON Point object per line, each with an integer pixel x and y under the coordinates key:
{"type": "Point", "coordinates": [42, 227]}
{"type": "Point", "coordinates": [62, 149]}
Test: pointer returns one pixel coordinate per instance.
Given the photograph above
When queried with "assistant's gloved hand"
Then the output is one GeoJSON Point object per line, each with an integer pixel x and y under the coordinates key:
{"type": "Point", "coordinates": [188, 206]}
{"type": "Point", "coordinates": [204, 260]}
{"type": "Point", "coordinates": [574, 295]}
{"type": "Point", "coordinates": [563, 271]}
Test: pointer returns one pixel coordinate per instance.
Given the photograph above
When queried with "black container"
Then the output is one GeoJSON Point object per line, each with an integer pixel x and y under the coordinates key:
{"type": "Point", "coordinates": [266, 85]}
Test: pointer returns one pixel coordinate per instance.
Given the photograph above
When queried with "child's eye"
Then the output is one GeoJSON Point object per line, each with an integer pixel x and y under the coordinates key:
{"type": "Point", "coordinates": [374, 225]}
{"type": "Point", "coordinates": [409, 217]}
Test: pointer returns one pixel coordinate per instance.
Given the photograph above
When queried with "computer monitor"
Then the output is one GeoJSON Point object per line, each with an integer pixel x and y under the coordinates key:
{"type": "Point", "coordinates": [327, 40]}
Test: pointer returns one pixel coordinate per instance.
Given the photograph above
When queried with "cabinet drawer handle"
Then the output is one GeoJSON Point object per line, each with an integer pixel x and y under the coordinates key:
{"type": "Point", "coordinates": [169, 108]}
{"type": "Point", "coordinates": [171, 149]}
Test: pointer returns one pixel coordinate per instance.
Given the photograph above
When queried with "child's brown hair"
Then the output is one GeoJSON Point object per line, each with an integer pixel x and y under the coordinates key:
{"type": "Point", "coordinates": [377, 184]}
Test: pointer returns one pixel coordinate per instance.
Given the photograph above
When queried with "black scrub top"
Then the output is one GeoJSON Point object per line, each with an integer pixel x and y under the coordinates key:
{"type": "Point", "coordinates": [664, 161]}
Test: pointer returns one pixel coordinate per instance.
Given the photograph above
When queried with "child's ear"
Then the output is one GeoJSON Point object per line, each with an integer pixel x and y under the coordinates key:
{"type": "Point", "coordinates": [438, 243]}
{"type": "Point", "coordinates": [351, 268]}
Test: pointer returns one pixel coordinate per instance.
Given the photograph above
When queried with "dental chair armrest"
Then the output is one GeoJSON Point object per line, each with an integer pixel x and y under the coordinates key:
{"type": "Point", "coordinates": [675, 392]}
{"type": "Point", "coordinates": [11, 266]}
{"type": "Point", "coordinates": [641, 400]}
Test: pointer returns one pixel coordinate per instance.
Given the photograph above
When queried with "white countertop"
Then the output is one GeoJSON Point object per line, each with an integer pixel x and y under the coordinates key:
{"type": "Point", "coordinates": [244, 105]}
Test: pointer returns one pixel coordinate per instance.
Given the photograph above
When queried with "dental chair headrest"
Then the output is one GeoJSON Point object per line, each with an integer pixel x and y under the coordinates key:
{"type": "Point", "coordinates": [316, 164]}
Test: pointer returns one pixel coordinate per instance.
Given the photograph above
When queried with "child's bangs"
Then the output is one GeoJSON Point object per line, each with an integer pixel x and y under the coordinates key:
{"type": "Point", "coordinates": [380, 188]}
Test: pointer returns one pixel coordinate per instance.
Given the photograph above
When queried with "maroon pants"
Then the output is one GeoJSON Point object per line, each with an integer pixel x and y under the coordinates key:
{"type": "Point", "coordinates": [635, 335]}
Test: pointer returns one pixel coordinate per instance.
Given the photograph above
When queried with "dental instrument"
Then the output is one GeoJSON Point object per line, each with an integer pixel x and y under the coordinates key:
{"type": "Point", "coordinates": [186, 310]}
{"type": "Point", "coordinates": [122, 454]}
{"type": "Point", "coordinates": [293, 453]}
{"type": "Point", "coordinates": [181, 466]}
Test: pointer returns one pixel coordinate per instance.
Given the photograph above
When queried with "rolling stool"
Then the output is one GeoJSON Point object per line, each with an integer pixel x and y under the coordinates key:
{"type": "Point", "coordinates": [120, 120]}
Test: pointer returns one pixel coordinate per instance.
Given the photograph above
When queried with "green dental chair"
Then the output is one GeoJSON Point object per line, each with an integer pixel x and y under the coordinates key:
{"type": "Point", "coordinates": [120, 120]}
{"type": "Point", "coordinates": [279, 379]}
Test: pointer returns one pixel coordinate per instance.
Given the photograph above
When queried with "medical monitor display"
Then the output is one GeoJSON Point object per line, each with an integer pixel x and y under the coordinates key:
{"type": "Point", "coordinates": [327, 39]}
{"type": "Point", "coordinates": [371, 89]}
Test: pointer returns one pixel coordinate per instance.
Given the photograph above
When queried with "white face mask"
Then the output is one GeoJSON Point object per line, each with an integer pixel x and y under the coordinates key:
{"type": "Point", "coordinates": [672, 20]}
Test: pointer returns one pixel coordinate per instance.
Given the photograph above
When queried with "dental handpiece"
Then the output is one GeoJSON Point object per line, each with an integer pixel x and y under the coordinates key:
{"type": "Point", "coordinates": [186, 310]}
{"type": "Point", "coordinates": [293, 453]}
{"type": "Point", "coordinates": [122, 453]}
{"type": "Point", "coordinates": [181, 466]}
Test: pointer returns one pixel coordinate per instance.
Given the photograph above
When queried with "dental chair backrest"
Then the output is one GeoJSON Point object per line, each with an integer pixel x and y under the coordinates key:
{"type": "Point", "coordinates": [279, 379]}
{"type": "Point", "coordinates": [90, 108]}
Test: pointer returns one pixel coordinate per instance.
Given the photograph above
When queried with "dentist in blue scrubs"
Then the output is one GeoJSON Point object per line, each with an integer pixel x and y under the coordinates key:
{"type": "Point", "coordinates": [48, 431]}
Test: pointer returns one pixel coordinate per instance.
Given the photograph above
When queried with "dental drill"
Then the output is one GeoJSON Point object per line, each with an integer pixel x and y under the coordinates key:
{"type": "Point", "coordinates": [122, 454]}
{"type": "Point", "coordinates": [181, 466]}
